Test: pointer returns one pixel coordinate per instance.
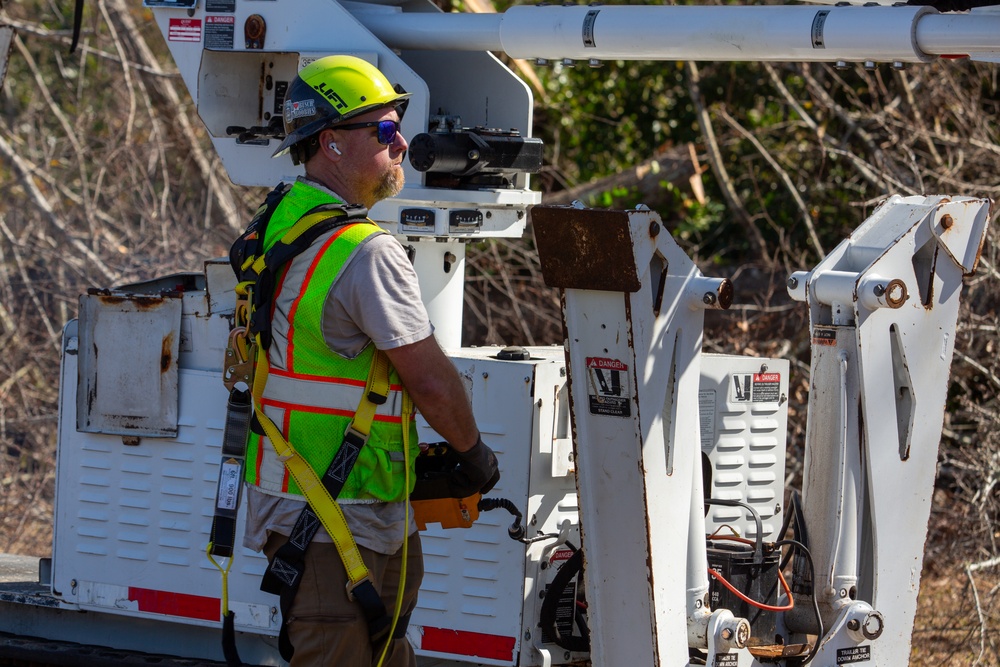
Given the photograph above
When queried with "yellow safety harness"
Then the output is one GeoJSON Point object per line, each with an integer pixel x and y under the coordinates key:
{"type": "Point", "coordinates": [247, 363]}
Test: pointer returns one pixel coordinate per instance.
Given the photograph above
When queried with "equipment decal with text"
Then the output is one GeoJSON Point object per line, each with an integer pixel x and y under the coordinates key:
{"type": "Point", "coordinates": [755, 388]}
{"type": "Point", "coordinates": [608, 387]}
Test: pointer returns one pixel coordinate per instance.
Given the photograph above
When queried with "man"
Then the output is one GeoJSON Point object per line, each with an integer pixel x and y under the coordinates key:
{"type": "Point", "coordinates": [351, 292]}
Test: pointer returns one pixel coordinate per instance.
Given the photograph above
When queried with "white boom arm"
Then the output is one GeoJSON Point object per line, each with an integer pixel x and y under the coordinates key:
{"type": "Point", "coordinates": [719, 33]}
{"type": "Point", "coordinates": [238, 58]}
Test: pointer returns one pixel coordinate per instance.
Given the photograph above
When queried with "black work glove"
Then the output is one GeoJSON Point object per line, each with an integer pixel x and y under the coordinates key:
{"type": "Point", "coordinates": [476, 471]}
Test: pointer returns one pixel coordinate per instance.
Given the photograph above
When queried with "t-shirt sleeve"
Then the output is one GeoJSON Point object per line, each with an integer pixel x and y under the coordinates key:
{"type": "Point", "coordinates": [376, 297]}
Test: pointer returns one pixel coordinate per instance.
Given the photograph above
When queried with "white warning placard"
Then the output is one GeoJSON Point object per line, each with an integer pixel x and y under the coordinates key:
{"type": "Point", "coordinates": [755, 388]}
{"type": "Point", "coordinates": [608, 389]}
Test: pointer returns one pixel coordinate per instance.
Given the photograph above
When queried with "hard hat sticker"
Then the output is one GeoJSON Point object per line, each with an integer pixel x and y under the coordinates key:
{"type": "Point", "coordinates": [608, 387]}
{"type": "Point", "coordinates": [300, 108]}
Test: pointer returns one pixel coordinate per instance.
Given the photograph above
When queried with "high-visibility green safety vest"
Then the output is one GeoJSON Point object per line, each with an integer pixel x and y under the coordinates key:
{"type": "Point", "coordinates": [314, 397]}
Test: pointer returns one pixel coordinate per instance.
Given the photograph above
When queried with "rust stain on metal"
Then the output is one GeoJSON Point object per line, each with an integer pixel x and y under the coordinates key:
{"type": "Point", "coordinates": [585, 248]}
{"type": "Point", "coordinates": [631, 344]}
{"type": "Point", "coordinates": [166, 356]}
{"type": "Point", "coordinates": [896, 293]}
{"type": "Point", "coordinates": [142, 302]}
{"type": "Point", "coordinates": [725, 294]}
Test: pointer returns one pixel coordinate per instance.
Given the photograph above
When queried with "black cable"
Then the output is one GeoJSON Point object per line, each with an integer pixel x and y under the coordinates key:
{"type": "Point", "coordinates": [787, 520]}
{"type": "Point", "coordinates": [815, 601]}
{"type": "Point", "coordinates": [515, 530]}
{"type": "Point", "coordinates": [550, 603]}
{"type": "Point", "coordinates": [77, 24]}
{"type": "Point", "coordinates": [759, 545]}
{"type": "Point", "coordinates": [795, 511]}
{"type": "Point", "coordinates": [229, 641]}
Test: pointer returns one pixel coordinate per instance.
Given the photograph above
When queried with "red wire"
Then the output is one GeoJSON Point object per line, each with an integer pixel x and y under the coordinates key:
{"type": "Point", "coordinates": [759, 605]}
{"type": "Point", "coordinates": [732, 538]}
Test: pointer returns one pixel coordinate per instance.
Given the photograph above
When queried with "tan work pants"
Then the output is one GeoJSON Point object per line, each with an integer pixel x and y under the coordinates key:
{"type": "Point", "coordinates": [328, 630]}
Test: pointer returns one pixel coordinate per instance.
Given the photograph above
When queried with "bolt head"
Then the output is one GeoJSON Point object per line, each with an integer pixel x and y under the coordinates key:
{"type": "Point", "coordinates": [793, 282]}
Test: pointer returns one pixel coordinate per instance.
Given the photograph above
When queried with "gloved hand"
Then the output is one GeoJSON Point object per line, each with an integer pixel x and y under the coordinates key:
{"type": "Point", "coordinates": [477, 471]}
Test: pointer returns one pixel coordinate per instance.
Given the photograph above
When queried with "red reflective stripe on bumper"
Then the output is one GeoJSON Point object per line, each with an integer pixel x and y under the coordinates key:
{"type": "Point", "coordinates": [176, 604]}
{"type": "Point", "coordinates": [473, 644]}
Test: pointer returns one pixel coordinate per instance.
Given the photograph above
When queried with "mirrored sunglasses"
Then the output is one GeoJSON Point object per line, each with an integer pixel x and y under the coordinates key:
{"type": "Point", "coordinates": [385, 132]}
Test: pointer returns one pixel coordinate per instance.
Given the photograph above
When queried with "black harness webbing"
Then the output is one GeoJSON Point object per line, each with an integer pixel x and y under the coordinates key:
{"type": "Point", "coordinates": [239, 414]}
{"type": "Point", "coordinates": [282, 579]}
{"type": "Point", "coordinates": [284, 574]}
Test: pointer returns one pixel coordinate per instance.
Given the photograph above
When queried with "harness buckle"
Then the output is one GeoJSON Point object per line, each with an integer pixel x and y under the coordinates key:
{"type": "Point", "coordinates": [352, 586]}
{"type": "Point", "coordinates": [239, 359]}
{"type": "Point", "coordinates": [355, 437]}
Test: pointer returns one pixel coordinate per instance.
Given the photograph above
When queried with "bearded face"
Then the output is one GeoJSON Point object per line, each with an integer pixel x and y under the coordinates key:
{"type": "Point", "coordinates": [390, 184]}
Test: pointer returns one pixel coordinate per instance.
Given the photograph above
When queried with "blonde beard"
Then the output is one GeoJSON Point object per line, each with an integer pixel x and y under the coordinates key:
{"type": "Point", "coordinates": [390, 185]}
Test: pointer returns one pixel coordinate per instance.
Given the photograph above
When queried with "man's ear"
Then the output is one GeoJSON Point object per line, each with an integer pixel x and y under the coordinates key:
{"type": "Point", "coordinates": [328, 145]}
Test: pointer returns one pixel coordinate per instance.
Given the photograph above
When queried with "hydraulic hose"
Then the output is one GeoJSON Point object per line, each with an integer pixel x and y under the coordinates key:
{"type": "Point", "coordinates": [516, 531]}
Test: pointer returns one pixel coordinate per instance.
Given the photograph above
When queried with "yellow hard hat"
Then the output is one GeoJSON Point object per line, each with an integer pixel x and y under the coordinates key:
{"type": "Point", "coordinates": [331, 90]}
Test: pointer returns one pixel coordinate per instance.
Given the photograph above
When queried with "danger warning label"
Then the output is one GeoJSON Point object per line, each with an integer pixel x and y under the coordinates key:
{"type": "Point", "coordinates": [608, 387]}
{"type": "Point", "coordinates": [755, 388]}
{"type": "Point", "coordinates": [219, 32]}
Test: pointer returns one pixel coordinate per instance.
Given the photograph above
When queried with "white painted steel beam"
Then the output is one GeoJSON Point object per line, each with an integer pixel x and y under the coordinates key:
{"type": "Point", "coordinates": [716, 33]}
{"type": "Point", "coordinates": [633, 308]}
{"type": "Point", "coordinates": [879, 386]}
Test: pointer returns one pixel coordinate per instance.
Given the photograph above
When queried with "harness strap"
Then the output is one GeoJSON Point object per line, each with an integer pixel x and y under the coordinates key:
{"type": "Point", "coordinates": [284, 574]}
{"type": "Point", "coordinates": [239, 414]}
{"type": "Point", "coordinates": [315, 223]}
{"type": "Point", "coordinates": [257, 274]}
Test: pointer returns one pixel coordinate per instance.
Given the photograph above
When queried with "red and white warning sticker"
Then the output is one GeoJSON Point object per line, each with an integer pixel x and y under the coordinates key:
{"type": "Point", "coordinates": [755, 388]}
{"type": "Point", "coordinates": [184, 30]}
{"type": "Point", "coordinates": [608, 387]}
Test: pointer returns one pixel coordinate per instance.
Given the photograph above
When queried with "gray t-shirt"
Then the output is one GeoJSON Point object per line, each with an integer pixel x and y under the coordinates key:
{"type": "Point", "coordinates": [375, 298]}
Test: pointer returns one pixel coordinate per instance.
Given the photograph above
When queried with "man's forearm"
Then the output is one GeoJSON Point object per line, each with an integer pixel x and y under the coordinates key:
{"type": "Point", "coordinates": [437, 391]}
